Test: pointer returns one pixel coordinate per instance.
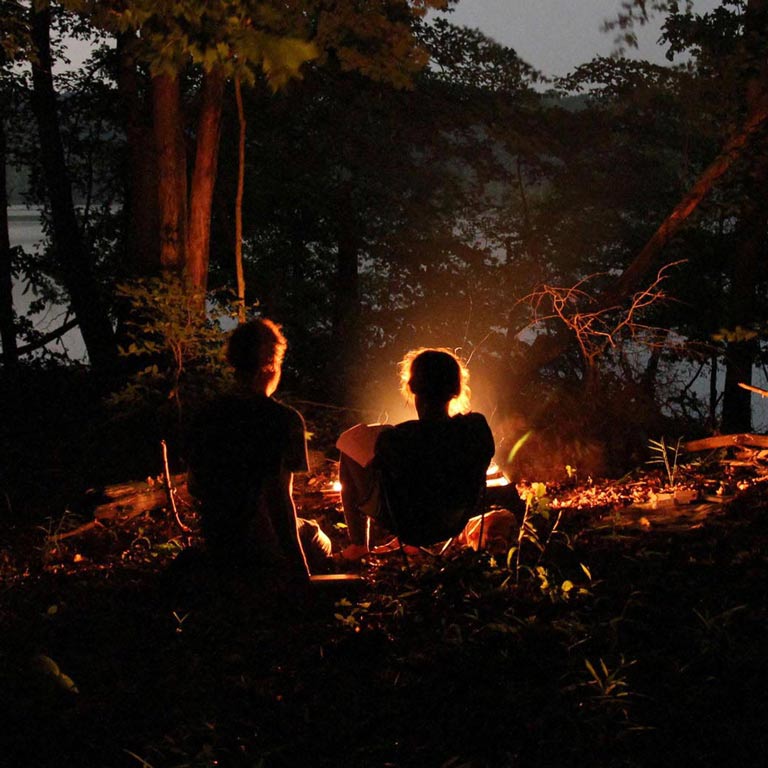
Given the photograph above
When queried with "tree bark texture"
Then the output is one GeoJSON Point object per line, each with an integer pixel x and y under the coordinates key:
{"type": "Point", "coordinates": [74, 262]}
{"type": "Point", "coordinates": [172, 171]}
{"type": "Point", "coordinates": [204, 178]}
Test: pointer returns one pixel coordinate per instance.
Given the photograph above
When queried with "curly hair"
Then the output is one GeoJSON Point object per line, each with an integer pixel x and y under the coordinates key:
{"type": "Point", "coordinates": [437, 374]}
{"type": "Point", "coordinates": [257, 346]}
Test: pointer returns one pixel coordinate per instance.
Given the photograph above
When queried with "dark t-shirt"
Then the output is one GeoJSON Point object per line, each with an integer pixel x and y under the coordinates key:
{"type": "Point", "coordinates": [433, 472]}
{"type": "Point", "coordinates": [238, 441]}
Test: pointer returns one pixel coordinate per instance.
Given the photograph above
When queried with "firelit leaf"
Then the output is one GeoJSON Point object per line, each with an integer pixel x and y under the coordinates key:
{"type": "Point", "coordinates": [47, 664]}
{"type": "Point", "coordinates": [67, 683]}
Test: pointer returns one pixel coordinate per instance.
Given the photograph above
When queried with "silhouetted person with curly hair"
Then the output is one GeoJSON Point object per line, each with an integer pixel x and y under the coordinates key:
{"type": "Point", "coordinates": [423, 476]}
{"type": "Point", "coordinates": [245, 448]}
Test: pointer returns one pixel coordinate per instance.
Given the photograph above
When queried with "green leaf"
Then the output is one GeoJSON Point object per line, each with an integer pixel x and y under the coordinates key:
{"type": "Point", "coordinates": [518, 445]}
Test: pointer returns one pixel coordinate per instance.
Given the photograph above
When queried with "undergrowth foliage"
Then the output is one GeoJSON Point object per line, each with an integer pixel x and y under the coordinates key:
{"type": "Point", "coordinates": [179, 334]}
{"type": "Point", "coordinates": [586, 645]}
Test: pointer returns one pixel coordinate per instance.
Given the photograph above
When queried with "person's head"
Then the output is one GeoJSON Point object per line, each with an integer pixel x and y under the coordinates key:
{"type": "Point", "coordinates": [436, 379]}
{"type": "Point", "coordinates": [256, 350]}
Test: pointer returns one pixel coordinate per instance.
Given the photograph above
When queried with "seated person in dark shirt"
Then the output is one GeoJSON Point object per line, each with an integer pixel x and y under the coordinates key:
{"type": "Point", "coordinates": [245, 448]}
{"type": "Point", "coordinates": [422, 478]}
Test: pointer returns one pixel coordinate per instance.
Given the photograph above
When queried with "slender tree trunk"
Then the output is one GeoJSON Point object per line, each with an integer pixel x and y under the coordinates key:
{"type": "Point", "coordinates": [142, 242]}
{"type": "Point", "coordinates": [747, 272]}
{"type": "Point", "coordinates": [648, 257]}
{"type": "Point", "coordinates": [172, 171]}
{"type": "Point", "coordinates": [240, 273]}
{"type": "Point", "coordinates": [545, 348]}
{"type": "Point", "coordinates": [74, 262]}
{"type": "Point", "coordinates": [7, 328]}
{"type": "Point", "coordinates": [737, 402]}
{"type": "Point", "coordinates": [713, 397]}
{"type": "Point", "coordinates": [204, 178]}
{"type": "Point", "coordinates": [748, 263]}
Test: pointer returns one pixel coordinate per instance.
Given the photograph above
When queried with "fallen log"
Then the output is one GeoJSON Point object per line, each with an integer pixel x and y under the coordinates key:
{"type": "Point", "coordinates": [124, 501]}
{"type": "Point", "coordinates": [727, 441]}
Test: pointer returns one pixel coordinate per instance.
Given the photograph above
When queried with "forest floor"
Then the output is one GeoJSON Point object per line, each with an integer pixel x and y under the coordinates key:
{"type": "Point", "coordinates": [627, 630]}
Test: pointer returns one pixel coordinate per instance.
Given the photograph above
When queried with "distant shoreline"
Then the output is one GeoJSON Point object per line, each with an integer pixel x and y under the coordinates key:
{"type": "Point", "coordinates": [20, 213]}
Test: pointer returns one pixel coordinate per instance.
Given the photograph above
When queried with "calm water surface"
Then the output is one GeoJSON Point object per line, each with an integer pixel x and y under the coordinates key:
{"type": "Point", "coordinates": [24, 229]}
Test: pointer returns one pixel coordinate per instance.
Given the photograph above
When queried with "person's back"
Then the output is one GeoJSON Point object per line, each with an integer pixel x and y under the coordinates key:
{"type": "Point", "coordinates": [243, 452]}
{"type": "Point", "coordinates": [426, 476]}
{"type": "Point", "coordinates": [241, 440]}
{"type": "Point", "coordinates": [433, 474]}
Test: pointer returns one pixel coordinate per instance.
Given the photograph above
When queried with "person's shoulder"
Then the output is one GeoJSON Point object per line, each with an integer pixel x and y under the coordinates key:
{"type": "Point", "coordinates": [472, 418]}
{"type": "Point", "coordinates": [288, 411]}
{"type": "Point", "coordinates": [403, 430]}
{"type": "Point", "coordinates": [214, 408]}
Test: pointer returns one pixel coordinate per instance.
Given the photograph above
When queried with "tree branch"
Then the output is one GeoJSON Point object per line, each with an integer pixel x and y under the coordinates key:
{"type": "Point", "coordinates": [48, 337]}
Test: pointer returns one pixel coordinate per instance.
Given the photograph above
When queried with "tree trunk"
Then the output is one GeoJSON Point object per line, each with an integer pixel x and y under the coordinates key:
{"type": "Point", "coordinates": [737, 402]}
{"type": "Point", "coordinates": [545, 348]}
{"type": "Point", "coordinates": [204, 178]}
{"type": "Point", "coordinates": [647, 259]}
{"type": "Point", "coordinates": [74, 262]}
{"type": "Point", "coordinates": [748, 262]}
{"type": "Point", "coordinates": [142, 222]}
{"type": "Point", "coordinates": [172, 171]}
{"type": "Point", "coordinates": [7, 327]}
{"type": "Point", "coordinates": [747, 271]}
{"type": "Point", "coordinates": [239, 272]}
{"type": "Point", "coordinates": [713, 396]}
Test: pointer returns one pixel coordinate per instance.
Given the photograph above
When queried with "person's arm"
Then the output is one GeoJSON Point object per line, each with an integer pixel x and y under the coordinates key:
{"type": "Point", "coordinates": [278, 494]}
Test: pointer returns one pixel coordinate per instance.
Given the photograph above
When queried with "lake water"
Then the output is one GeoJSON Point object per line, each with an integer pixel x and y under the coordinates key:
{"type": "Point", "coordinates": [24, 229]}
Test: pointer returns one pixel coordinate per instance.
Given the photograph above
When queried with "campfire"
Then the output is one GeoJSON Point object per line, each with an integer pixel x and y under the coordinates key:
{"type": "Point", "coordinates": [494, 478]}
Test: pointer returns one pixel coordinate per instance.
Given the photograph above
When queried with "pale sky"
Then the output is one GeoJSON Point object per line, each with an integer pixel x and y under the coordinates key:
{"type": "Point", "coordinates": [555, 36]}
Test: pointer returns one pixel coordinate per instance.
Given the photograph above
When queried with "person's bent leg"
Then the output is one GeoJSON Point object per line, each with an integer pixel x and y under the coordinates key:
{"type": "Point", "coordinates": [356, 486]}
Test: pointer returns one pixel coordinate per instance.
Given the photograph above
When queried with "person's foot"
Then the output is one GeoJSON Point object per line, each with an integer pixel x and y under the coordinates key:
{"type": "Point", "coordinates": [354, 552]}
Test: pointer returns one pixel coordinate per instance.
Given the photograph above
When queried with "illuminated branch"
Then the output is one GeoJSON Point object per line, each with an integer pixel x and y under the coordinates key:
{"type": "Point", "coordinates": [598, 328]}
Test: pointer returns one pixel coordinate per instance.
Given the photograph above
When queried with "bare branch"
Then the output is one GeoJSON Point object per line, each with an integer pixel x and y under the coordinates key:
{"type": "Point", "coordinates": [599, 328]}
